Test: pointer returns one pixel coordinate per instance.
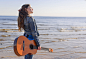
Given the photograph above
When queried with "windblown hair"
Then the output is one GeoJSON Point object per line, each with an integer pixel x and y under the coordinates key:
{"type": "Point", "coordinates": [22, 14]}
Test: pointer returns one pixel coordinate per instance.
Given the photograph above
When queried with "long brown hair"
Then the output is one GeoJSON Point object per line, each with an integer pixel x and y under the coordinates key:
{"type": "Point", "coordinates": [22, 14]}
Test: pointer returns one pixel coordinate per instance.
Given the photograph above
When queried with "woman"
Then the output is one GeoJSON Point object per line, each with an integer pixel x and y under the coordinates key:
{"type": "Point", "coordinates": [28, 23]}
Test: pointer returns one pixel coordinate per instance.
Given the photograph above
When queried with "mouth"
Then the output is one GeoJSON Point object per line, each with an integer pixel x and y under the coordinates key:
{"type": "Point", "coordinates": [31, 11]}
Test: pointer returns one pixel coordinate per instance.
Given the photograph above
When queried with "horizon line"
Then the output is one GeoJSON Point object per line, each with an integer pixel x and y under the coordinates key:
{"type": "Point", "coordinates": [48, 16]}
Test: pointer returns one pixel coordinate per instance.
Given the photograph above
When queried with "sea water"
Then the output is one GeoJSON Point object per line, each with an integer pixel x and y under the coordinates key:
{"type": "Point", "coordinates": [65, 35]}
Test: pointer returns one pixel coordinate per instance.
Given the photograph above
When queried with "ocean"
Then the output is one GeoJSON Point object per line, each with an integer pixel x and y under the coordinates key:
{"type": "Point", "coordinates": [65, 35]}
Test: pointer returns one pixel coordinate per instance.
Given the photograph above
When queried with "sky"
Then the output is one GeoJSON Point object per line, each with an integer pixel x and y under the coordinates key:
{"type": "Point", "coordinates": [59, 8]}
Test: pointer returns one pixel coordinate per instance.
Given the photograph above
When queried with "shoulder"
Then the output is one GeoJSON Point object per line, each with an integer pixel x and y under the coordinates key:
{"type": "Point", "coordinates": [30, 18]}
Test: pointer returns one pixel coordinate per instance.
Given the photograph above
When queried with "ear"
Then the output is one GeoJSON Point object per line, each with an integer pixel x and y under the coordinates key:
{"type": "Point", "coordinates": [26, 9]}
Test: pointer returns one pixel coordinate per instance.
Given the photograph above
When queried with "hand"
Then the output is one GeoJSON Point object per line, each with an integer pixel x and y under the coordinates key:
{"type": "Point", "coordinates": [39, 48]}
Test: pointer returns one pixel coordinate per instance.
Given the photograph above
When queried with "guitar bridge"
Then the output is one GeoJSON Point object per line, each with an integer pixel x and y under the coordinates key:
{"type": "Point", "coordinates": [23, 45]}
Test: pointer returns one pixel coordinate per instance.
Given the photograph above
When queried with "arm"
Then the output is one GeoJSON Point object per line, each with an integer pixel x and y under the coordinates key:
{"type": "Point", "coordinates": [34, 31]}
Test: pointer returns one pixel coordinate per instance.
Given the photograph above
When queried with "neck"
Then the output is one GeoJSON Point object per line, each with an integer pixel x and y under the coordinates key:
{"type": "Point", "coordinates": [28, 15]}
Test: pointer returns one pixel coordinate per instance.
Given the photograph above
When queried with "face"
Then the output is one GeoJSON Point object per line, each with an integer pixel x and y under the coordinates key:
{"type": "Point", "coordinates": [29, 10]}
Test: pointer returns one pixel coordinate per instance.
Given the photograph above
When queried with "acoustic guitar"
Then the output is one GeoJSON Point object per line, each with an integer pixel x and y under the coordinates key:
{"type": "Point", "coordinates": [23, 46]}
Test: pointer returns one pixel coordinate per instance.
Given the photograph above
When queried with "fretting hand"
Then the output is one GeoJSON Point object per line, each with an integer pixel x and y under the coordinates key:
{"type": "Point", "coordinates": [39, 48]}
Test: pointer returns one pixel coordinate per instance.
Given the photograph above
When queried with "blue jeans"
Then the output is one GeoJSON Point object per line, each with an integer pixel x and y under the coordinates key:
{"type": "Point", "coordinates": [28, 56]}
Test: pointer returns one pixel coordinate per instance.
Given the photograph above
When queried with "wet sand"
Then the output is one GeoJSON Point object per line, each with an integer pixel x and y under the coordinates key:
{"type": "Point", "coordinates": [68, 41]}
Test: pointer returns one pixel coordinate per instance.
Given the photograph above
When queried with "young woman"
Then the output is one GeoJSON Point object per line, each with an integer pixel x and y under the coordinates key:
{"type": "Point", "coordinates": [28, 23]}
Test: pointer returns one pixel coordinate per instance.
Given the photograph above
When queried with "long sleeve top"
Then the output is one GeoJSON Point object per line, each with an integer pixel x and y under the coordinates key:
{"type": "Point", "coordinates": [31, 28]}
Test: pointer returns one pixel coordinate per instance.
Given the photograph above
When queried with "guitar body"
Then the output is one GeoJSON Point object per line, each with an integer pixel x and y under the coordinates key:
{"type": "Point", "coordinates": [23, 46]}
{"type": "Point", "coordinates": [15, 47]}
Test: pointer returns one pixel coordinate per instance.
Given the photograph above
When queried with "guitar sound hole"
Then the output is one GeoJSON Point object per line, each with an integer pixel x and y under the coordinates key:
{"type": "Point", "coordinates": [31, 46]}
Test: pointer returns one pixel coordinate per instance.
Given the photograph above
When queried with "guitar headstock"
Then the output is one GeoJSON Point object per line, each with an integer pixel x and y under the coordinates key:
{"type": "Point", "coordinates": [50, 50]}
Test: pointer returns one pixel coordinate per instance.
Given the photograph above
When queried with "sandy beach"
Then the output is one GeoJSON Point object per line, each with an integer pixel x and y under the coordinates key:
{"type": "Point", "coordinates": [67, 37]}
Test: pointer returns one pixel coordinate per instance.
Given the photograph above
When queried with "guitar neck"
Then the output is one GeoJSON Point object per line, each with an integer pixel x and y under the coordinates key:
{"type": "Point", "coordinates": [47, 49]}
